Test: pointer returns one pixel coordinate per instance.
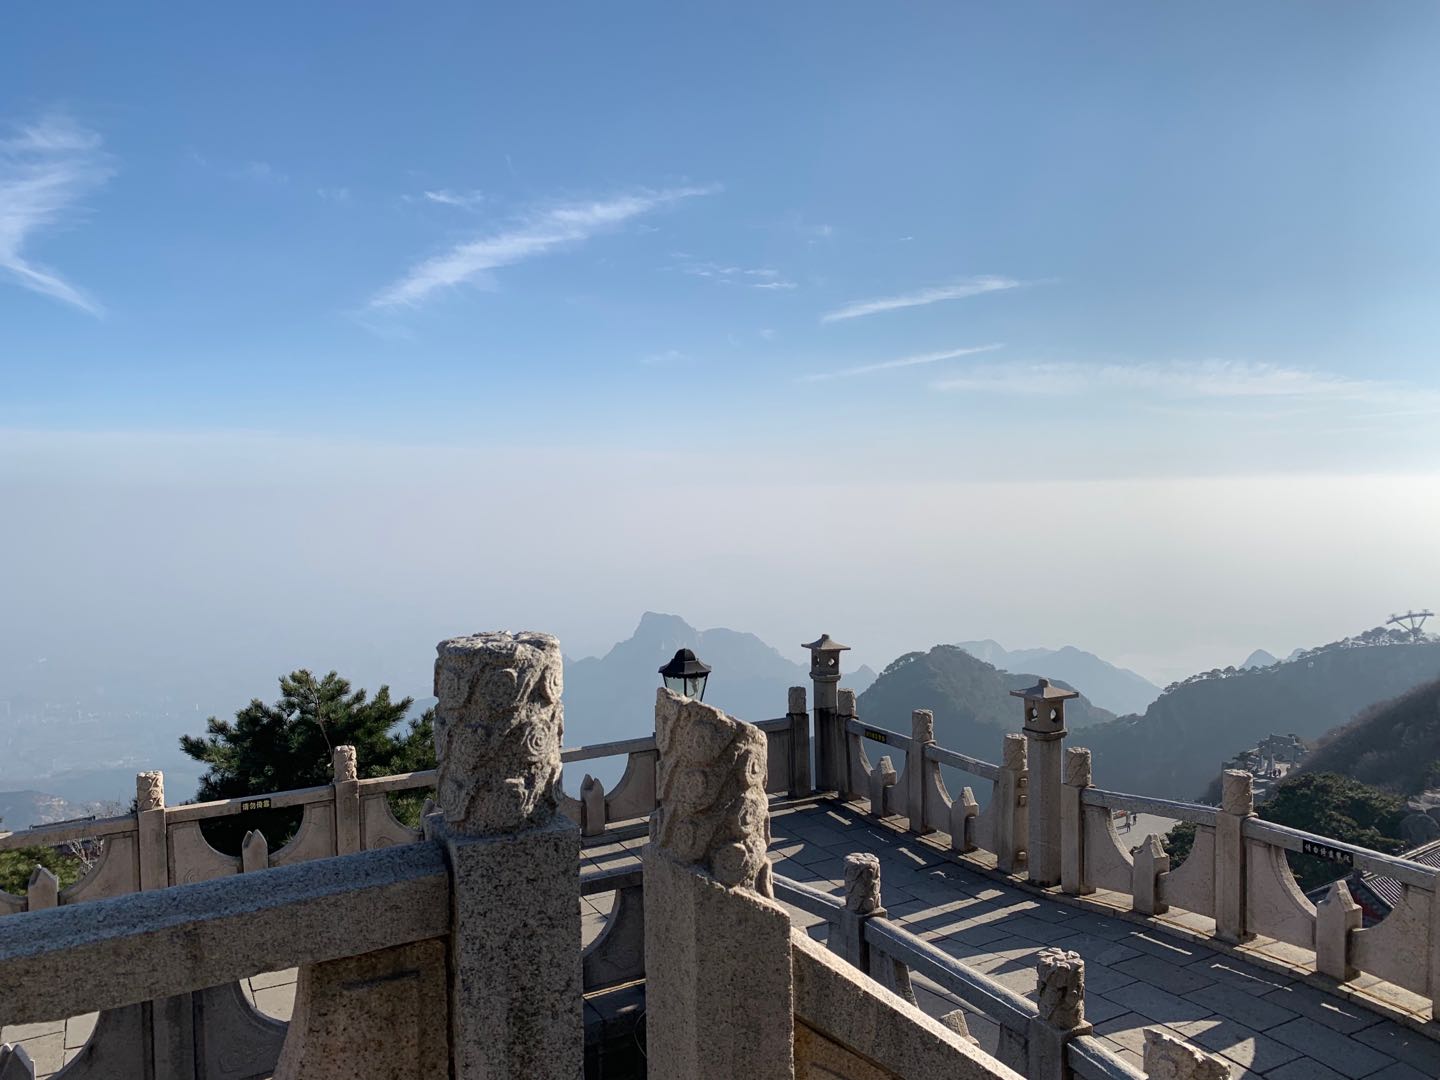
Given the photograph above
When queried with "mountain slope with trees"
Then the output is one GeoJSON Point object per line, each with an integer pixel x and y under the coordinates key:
{"type": "Point", "coordinates": [970, 698]}
{"type": "Point", "coordinates": [1393, 745]}
{"type": "Point", "coordinates": [1176, 749]}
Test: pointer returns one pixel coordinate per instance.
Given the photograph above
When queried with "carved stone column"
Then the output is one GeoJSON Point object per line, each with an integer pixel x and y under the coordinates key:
{"type": "Point", "coordinates": [1061, 998]}
{"type": "Point", "coordinates": [847, 935]}
{"type": "Point", "coordinates": [346, 770]}
{"type": "Point", "coordinates": [719, 991]}
{"type": "Point", "coordinates": [1011, 809]}
{"type": "Point", "coordinates": [1072, 822]}
{"type": "Point", "coordinates": [515, 990]}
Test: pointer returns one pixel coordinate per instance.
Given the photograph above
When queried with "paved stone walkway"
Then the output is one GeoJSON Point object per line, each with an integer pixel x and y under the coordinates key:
{"type": "Point", "coordinates": [1268, 1025]}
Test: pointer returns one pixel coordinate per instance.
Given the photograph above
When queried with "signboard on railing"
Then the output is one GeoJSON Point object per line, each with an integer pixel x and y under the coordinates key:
{"type": "Point", "coordinates": [255, 804]}
{"type": "Point", "coordinates": [1328, 853]}
{"type": "Point", "coordinates": [877, 736]}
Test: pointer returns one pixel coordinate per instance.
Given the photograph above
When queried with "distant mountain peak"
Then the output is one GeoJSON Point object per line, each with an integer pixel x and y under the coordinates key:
{"type": "Point", "coordinates": [1115, 688]}
{"type": "Point", "coordinates": [1259, 658]}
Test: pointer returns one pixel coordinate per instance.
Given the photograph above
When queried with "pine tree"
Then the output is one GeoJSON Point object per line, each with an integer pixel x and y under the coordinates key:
{"type": "Point", "coordinates": [288, 745]}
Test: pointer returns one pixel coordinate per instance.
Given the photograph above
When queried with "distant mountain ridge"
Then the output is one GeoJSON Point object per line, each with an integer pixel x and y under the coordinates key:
{"type": "Point", "coordinates": [1394, 745]}
{"type": "Point", "coordinates": [1175, 750]}
{"type": "Point", "coordinates": [1117, 689]}
{"type": "Point", "coordinates": [1259, 658]}
{"type": "Point", "coordinates": [613, 696]}
{"type": "Point", "coordinates": [969, 697]}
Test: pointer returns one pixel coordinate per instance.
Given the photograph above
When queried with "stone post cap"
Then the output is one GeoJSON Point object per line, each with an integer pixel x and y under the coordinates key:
{"type": "Point", "coordinates": [713, 810]}
{"type": "Point", "coordinates": [1170, 1058]}
{"type": "Point", "coordinates": [15, 1062]}
{"type": "Point", "coordinates": [1238, 792]}
{"type": "Point", "coordinates": [922, 725]}
{"type": "Point", "coordinates": [1061, 987]}
{"type": "Point", "coordinates": [1151, 850]}
{"type": "Point", "coordinates": [499, 723]}
{"type": "Point", "coordinates": [845, 702]}
{"type": "Point", "coordinates": [885, 768]}
{"type": "Point", "coordinates": [149, 790]}
{"type": "Point", "coordinates": [1077, 767]}
{"type": "Point", "coordinates": [862, 883]}
{"type": "Point", "coordinates": [1339, 896]}
{"type": "Point", "coordinates": [344, 764]}
{"type": "Point", "coordinates": [795, 701]}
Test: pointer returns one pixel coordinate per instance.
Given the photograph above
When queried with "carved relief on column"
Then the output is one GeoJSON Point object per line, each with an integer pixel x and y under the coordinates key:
{"type": "Point", "coordinates": [345, 765]}
{"type": "Point", "coordinates": [1061, 985]}
{"type": "Point", "coordinates": [149, 790]}
{"type": "Point", "coordinates": [862, 883]}
{"type": "Point", "coordinates": [713, 811]}
{"type": "Point", "coordinates": [498, 728]}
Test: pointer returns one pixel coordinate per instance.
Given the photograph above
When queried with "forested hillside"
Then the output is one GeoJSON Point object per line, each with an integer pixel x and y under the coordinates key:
{"type": "Point", "coordinates": [1394, 745]}
{"type": "Point", "coordinates": [970, 698]}
{"type": "Point", "coordinates": [1176, 749]}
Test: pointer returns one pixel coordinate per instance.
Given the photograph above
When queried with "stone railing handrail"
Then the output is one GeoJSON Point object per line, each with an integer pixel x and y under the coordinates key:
{"type": "Point", "coordinates": [61, 831]}
{"type": "Point", "coordinates": [1089, 1060]}
{"type": "Point", "coordinates": [964, 762]}
{"type": "Point", "coordinates": [870, 731]}
{"type": "Point", "coordinates": [1406, 871]}
{"type": "Point", "coordinates": [405, 781]}
{"type": "Point", "coordinates": [1199, 813]}
{"type": "Point", "coordinates": [276, 800]}
{"type": "Point", "coordinates": [219, 931]}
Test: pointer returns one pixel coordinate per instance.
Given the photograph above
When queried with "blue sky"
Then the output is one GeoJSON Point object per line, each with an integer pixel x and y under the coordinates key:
{"type": "Point", "coordinates": [781, 247]}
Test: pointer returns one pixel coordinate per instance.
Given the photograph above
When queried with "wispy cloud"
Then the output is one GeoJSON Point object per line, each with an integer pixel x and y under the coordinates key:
{"type": "Point", "coordinates": [956, 291]}
{"type": "Point", "coordinates": [538, 233]}
{"type": "Point", "coordinates": [903, 362]}
{"type": "Point", "coordinates": [755, 277]}
{"type": "Point", "coordinates": [465, 200]}
{"type": "Point", "coordinates": [45, 169]}
{"type": "Point", "coordinates": [1190, 380]}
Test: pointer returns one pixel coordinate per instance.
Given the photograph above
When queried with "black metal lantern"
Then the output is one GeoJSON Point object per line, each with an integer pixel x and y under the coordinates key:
{"type": "Point", "coordinates": [685, 674]}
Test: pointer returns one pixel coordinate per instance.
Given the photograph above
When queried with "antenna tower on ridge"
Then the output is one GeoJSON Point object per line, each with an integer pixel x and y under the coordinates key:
{"type": "Point", "coordinates": [1412, 622]}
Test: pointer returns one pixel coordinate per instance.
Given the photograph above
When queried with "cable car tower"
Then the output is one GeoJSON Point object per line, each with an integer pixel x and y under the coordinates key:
{"type": "Point", "coordinates": [1412, 622]}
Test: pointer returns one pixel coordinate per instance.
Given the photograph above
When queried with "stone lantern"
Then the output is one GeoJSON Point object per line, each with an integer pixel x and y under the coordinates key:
{"type": "Point", "coordinates": [1044, 731]}
{"type": "Point", "coordinates": [829, 737]}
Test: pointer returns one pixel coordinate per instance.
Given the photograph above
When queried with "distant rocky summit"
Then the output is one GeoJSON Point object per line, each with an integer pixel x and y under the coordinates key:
{"type": "Point", "coordinates": [1115, 688]}
{"type": "Point", "coordinates": [613, 696]}
{"type": "Point", "coordinates": [1258, 659]}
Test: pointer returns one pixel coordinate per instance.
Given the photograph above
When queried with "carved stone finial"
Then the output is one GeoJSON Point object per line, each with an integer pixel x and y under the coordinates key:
{"type": "Point", "coordinates": [713, 812]}
{"type": "Point", "coordinates": [1238, 792]}
{"type": "Point", "coordinates": [498, 727]}
{"type": "Point", "coordinates": [846, 703]}
{"type": "Point", "coordinates": [1061, 988]}
{"type": "Point", "coordinates": [862, 883]}
{"type": "Point", "coordinates": [1169, 1058]}
{"type": "Point", "coordinates": [922, 725]}
{"type": "Point", "coordinates": [1077, 767]}
{"type": "Point", "coordinates": [795, 700]}
{"type": "Point", "coordinates": [346, 767]}
{"type": "Point", "coordinates": [1013, 752]}
{"type": "Point", "coordinates": [149, 790]}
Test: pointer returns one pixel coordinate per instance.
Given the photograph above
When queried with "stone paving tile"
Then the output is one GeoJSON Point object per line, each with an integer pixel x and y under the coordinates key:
{"type": "Point", "coordinates": [1158, 1004]}
{"type": "Point", "coordinates": [1047, 933]}
{"type": "Point", "coordinates": [1171, 949]}
{"type": "Point", "coordinates": [20, 1032]}
{"type": "Point", "coordinates": [274, 978]}
{"type": "Point", "coordinates": [46, 1051]}
{"type": "Point", "coordinates": [1401, 1071]}
{"type": "Point", "coordinates": [1096, 925]}
{"type": "Point", "coordinates": [1102, 979]}
{"type": "Point", "coordinates": [1099, 1008]}
{"type": "Point", "coordinates": [1404, 1045]}
{"type": "Point", "coordinates": [276, 1001]}
{"type": "Point", "coordinates": [1252, 980]}
{"type": "Point", "coordinates": [1242, 1045]}
{"type": "Point", "coordinates": [973, 936]}
{"type": "Point", "coordinates": [1096, 950]}
{"type": "Point", "coordinates": [1336, 1014]}
{"type": "Point", "coordinates": [1303, 1069]}
{"type": "Point", "coordinates": [1345, 1055]}
{"type": "Point", "coordinates": [1232, 1002]}
{"type": "Point", "coordinates": [1162, 973]}
{"type": "Point", "coordinates": [1127, 1031]}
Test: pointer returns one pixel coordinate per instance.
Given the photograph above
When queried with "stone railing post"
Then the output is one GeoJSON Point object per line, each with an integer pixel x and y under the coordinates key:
{"type": "Point", "coordinates": [1169, 1058]}
{"type": "Point", "coordinates": [42, 890]}
{"type": "Point", "coordinates": [1151, 862]}
{"type": "Point", "coordinates": [963, 811]}
{"type": "Point", "coordinates": [1072, 822]}
{"type": "Point", "coordinates": [850, 770]}
{"type": "Point", "coordinates": [1237, 802]}
{"type": "Point", "coordinates": [346, 780]}
{"type": "Point", "coordinates": [1011, 810]}
{"type": "Point", "coordinates": [882, 778]}
{"type": "Point", "coordinates": [515, 992]}
{"type": "Point", "coordinates": [922, 736]}
{"type": "Point", "coordinates": [1044, 731]}
{"type": "Point", "coordinates": [799, 716]}
{"type": "Point", "coordinates": [1061, 998]}
{"type": "Point", "coordinates": [847, 936]}
{"type": "Point", "coordinates": [1335, 916]}
{"type": "Point", "coordinates": [172, 1018]}
{"type": "Point", "coordinates": [829, 734]}
{"type": "Point", "coordinates": [719, 990]}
